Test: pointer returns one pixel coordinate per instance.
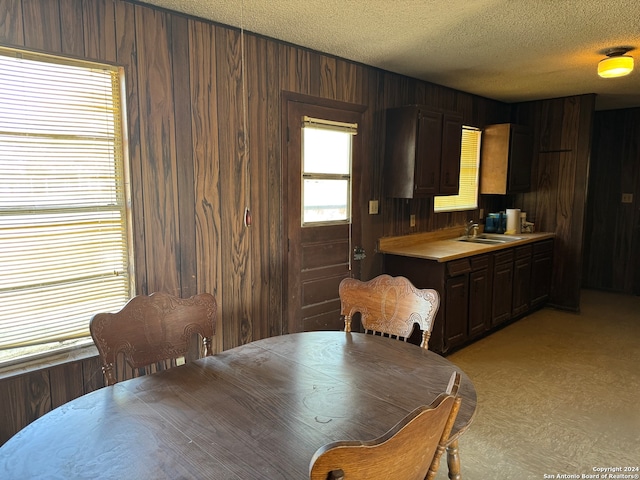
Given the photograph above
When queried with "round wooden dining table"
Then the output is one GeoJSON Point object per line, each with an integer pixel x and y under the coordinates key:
{"type": "Point", "coordinates": [259, 411]}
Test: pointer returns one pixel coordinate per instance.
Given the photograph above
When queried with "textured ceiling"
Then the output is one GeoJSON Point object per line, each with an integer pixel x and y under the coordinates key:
{"type": "Point", "coordinates": [509, 50]}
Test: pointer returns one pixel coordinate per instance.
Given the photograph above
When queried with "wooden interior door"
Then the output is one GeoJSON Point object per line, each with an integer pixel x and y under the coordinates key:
{"type": "Point", "coordinates": [317, 257]}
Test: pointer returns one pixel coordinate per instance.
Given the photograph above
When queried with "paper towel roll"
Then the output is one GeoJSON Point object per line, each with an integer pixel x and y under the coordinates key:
{"type": "Point", "coordinates": [513, 221]}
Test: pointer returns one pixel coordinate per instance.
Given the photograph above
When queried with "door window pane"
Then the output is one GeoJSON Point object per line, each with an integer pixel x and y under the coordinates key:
{"type": "Point", "coordinates": [326, 151]}
{"type": "Point", "coordinates": [326, 172]}
{"type": "Point", "coordinates": [325, 200]}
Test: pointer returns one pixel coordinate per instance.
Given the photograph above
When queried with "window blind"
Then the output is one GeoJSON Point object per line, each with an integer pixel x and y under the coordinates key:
{"type": "Point", "coordinates": [63, 210]}
{"type": "Point", "coordinates": [326, 171]}
{"type": "Point", "coordinates": [467, 198]}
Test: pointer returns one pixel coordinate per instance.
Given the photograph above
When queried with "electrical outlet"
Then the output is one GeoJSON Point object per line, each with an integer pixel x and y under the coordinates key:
{"type": "Point", "coordinates": [412, 220]}
{"type": "Point", "coordinates": [627, 198]}
{"type": "Point", "coordinates": [481, 213]}
{"type": "Point", "coordinates": [373, 207]}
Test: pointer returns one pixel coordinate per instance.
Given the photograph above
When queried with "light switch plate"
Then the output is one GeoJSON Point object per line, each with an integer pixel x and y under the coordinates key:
{"type": "Point", "coordinates": [373, 207]}
{"type": "Point", "coordinates": [627, 198]}
{"type": "Point", "coordinates": [412, 220]}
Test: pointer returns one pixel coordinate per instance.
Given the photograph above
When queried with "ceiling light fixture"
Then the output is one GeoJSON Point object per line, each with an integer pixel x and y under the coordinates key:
{"type": "Point", "coordinates": [617, 64]}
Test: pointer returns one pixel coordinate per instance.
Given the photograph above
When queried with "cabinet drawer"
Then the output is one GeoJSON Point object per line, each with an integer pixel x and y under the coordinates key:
{"type": "Point", "coordinates": [478, 263]}
{"type": "Point", "coordinates": [458, 267]}
{"type": "Point", "coordinates": [543, 247]}
{"type": "Point", "coordinates": [505, 256]}
{"type": "Point", "coordinates": [523, 252]}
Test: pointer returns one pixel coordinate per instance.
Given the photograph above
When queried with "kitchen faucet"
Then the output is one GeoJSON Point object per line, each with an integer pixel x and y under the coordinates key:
{"type": "Point", "coordinates": [470, 227]}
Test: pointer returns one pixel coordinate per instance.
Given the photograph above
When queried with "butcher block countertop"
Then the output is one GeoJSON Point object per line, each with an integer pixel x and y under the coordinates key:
{"type": "Point", "coordinates": [443, 246]}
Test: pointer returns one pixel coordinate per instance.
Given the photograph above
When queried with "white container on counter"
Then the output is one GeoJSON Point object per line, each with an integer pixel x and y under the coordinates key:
{"type": "Point", "coordinates": [513, 221]}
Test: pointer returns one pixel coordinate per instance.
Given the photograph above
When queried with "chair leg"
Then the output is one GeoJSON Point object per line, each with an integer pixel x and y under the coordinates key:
{"type": "Point", "coordinates": [453, 461]}
{"type": "Point", "coordinates": [435, 464]}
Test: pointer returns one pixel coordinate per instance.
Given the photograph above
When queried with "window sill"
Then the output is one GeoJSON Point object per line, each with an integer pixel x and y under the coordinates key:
{"type": "Point", "coordinates": [42, 361]}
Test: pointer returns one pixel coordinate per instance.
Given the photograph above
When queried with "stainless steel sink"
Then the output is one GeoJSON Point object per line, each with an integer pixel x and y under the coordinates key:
{"type": "Point", "coordinates": [490, 239]}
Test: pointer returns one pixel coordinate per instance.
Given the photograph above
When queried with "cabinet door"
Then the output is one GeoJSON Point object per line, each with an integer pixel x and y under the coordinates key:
{"type": "Point", "coordinates": [428, 153]}
{"type": "Point", "coordinates": [450, 159]}
{"type": "Point", "coordinates": [400, 152]}
{"type": "Point", "coordinates": [541, 267]}
{"type": "Point", "coordinates": [456, 311]}
{"type": "Point", "coordinates": [479, 302]}
{"type": "Point", "coordinates": [521, 286]}
{"type": "Point", "coordinates": [502, 293]}
{"type": "Point", "coordinates": [505, 167]}
{"type": "Point", "coordinates": [521, 153]}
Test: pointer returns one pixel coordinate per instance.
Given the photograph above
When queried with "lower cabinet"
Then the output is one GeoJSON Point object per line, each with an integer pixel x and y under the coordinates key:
{"type": "Point", "coordinates": [456, 298]}
{"type": "Point", "coordinates": [541, 267]}
{"type": "Point", "coordinates": [502, 287]}
{"type": "Point", "coordinates": [481, 292]}
{"type": "Point", "coordinates": [455, 302]}
{"type": "Point", "coordinates": [479, 296]}
{"type": "Point", "coordinates": [521, 280]}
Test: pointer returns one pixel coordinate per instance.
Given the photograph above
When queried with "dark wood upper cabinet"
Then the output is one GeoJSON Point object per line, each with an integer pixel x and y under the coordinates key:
{"type": "Point", "coordinates": [505, 161]}
{"type": "Point", "coordinates": [422, 152]}
{"type": "Point", "coordinates": [450, 160]}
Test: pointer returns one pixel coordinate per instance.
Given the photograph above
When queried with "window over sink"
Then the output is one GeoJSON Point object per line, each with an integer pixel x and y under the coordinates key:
{"type": "Point", "coordinates": [467, 198]}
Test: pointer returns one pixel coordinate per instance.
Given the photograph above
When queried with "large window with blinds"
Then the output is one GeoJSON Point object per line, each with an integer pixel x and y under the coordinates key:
{"type": "Point", "coordinates": [467, 198]}
{"type": "Point", "coordinates": [64, 232]}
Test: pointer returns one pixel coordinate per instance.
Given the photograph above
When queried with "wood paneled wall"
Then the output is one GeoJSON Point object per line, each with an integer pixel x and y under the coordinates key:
{"type": "Point", "coordinates": [612, 238]}
{"type": "Point", "coordinates": [194, 167]}
{"type": "Point", "coordinates": [558, 196]}
{"type": "Point", "coordinates": [30, 395]}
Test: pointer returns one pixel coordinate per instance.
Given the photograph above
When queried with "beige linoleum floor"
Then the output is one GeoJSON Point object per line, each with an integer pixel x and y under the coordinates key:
{"type": "Point", "coordinates": [558, 394]}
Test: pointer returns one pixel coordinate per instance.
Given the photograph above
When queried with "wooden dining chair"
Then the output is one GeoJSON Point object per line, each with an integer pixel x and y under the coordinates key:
{"type": "Point", "coordinates": [389, 305]}
{"type": "Point", "coordinates": [411, 450]}
{"type": "Point", "coordinates": [152, 333]}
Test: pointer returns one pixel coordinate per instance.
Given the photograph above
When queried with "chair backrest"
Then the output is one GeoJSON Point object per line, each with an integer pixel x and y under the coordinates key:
{"type": "Point", "coordinates": [153, 329]}
{"type": "Point", "coordinates": [411, 450]}
{"type": "Point", "coordinates": [389, 305]}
